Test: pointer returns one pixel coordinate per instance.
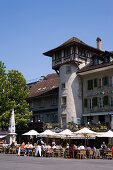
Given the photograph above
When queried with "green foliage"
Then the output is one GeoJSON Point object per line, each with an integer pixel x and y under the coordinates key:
{"type": "Point", "coordinates": [13, 92]}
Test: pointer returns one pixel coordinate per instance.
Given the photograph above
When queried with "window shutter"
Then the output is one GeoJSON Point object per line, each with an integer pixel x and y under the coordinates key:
{"type": "Point", "coordinates": [105, 81]}
{"type": "Point", "coordinates": [105, 101]}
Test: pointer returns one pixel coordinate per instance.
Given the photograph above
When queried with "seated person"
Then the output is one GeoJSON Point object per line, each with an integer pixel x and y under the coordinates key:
{"type": "Point", "coordinates": [28, 148]}
{"type": "Point", "coordinates": [5, 146]}
{"type": "Point", "coordinates": [112, 149]}
{"type": "Point", "coordinates": [88, 150]}
{"type": "Point", "coordinates": [81, 147]}
{"type": "Point", "coordinates": [22, 146]}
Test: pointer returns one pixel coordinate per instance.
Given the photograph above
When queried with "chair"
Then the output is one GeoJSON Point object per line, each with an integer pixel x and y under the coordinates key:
{"type": "Point", "coordinates": [109, 155]}
{"type": "Point", "coordinates": [56, 152]}
{"type": "Point", "coordinates": [81, 154]}
{"type": "Point", "coordinates": [49, 153]}
{"type": "Point", "coordinates": [61, 153]}
{"type": "Point", "coordinates": [33, 151]}
{"type": "Point", "coordinates": [66, 153]}
{"type": "Point", "coordinates": [91, 154]}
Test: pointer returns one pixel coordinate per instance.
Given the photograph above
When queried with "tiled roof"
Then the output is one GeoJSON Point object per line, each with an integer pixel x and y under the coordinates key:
{"type": "Point", "coordinates": [45, 86]}
{"type": "Point", "coordinates": [69, 42]}
{"type": "Point", "coordinates": [90, 66]}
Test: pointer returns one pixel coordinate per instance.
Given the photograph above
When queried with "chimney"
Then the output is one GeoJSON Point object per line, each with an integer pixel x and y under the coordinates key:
{"type": "Point", "coordinates": [98, 43]}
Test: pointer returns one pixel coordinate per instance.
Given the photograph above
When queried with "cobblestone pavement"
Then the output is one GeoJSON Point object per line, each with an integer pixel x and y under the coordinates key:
{"type": "Point", "coordinates": [14, 162]}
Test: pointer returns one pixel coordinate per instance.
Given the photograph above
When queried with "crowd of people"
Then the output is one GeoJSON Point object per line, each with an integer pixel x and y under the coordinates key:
{"type": "Point", "coordinates": [40, 148]}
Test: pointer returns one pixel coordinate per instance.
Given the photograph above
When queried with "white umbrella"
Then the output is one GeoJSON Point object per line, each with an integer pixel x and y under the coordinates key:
{"type": "Point", "coordinates": [66, 133]}
{"type": "Point", "coordinates": [48, 134]}
{"type": "Point", "coordinates": [108, 134]}
{"type": "Point", "coordinates": [31, 133]}
{"type": "Point", "coordinates": [86, 133]}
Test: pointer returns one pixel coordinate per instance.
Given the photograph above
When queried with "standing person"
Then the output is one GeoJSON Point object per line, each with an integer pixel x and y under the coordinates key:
{"type": "Point", "coordinates": [38, 148]}
{"type": "Point", "coordinates": [104, 148]}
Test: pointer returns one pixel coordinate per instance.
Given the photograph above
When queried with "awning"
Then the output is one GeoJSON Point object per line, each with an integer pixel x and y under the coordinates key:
{"type": "Point", "coordinates": [97, 113]}
{"type": "Point", "coordinates": [2, 136]}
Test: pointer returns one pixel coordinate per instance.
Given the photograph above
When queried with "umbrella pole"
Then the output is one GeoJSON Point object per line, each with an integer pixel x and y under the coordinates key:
{"type": "Point", "coordinates": [69, 140]}
{"type": "Point", "coordinates": [87, 139]}
{"type": "Point", "coordinates": [32, 139]}
{"type": "Point", "coordinates": [47, 140]}
{"type": "Point", "coordinates": [66, 139]}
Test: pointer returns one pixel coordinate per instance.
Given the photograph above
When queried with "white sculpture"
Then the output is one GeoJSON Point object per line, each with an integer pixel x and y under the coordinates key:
{"type": "Point", "coordinates": [11, 130]}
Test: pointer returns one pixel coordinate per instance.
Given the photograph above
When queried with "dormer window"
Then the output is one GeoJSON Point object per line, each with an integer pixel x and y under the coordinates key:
{"type": "Point", "coordinates": [58, 55]}
{"type": "Point", "coordinates": [106, 59]}
{"type": "Point", "coordinates": [95, 61]}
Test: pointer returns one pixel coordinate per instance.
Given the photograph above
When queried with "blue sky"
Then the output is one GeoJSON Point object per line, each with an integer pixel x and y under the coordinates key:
{"type": "Point", "coordinates": [30, 27]}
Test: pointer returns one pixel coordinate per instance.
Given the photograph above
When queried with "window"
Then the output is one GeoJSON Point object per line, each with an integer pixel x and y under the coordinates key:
{"type": "Point", "coordinates": [67, 52]}
{"type": "Point", "coordinates": [100, 83]}
{"type": "Point", "coordinates": [53, 100]}
{"type": "Point", "coordinates": [89, 103]}
{"type": "Point", "coordinates": [106, 59]}
{"type": "Point", "coordinates": [85, 102]}
{"type": "Point", "coordinates": [58, 55]}
{"type": "Point", "coordinates": [95, 82]}
{"type": "Point", "coordinates": [111, 81]}
{"type": "Point", "coordinates": [63, 101]}
{"type": "Point", "coordinates": [94, 101]}
{"type": "Point", "coordinates": [63, 85]}
{"type": "Point", "coordinates": [111, 101]}
{"type": "Point", "coordinates": [90, 85]}
{"type": "Point", "coordinates": [100, 102]}
{"type": "Point", "coordinates": [95, 61]}
{"type": "Point", "coordinates": [63, 119]}
{"type": "Point", "coordinates": [79, 52]}
{"type": "Point", "coordinates": [68, 69]}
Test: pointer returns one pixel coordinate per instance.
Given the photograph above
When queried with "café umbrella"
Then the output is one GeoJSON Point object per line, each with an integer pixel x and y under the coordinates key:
{"type": "Point", "coordinates": [108, 134]}
{"type": "Point", "coordinates": [66, 133]}
{"type": "Point", "coordinates": [48, 134]}
{"type": "Point", "coordinates": [86, 133]}
{"type": "Point", "coordinates": [31, 133]}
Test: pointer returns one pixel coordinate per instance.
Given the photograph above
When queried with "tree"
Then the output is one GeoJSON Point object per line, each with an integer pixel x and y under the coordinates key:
{"type": "Point", "coordinates": [14, 93]}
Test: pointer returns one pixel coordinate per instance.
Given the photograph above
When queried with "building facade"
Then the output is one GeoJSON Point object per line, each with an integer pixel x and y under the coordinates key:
{"type": "Point", "coordinates": [82, 89]}
{"type": "Point", "coordinates": [67, 59]}
{"type": "Point", "coordinates": [43, 99]}
{"type": "Point", "coordinates": [97, 79]}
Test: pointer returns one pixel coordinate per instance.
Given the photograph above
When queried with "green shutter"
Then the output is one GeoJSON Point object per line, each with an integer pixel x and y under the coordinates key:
{"type": "Point", "coordinates": [105, 80]}
{"type": "Point", "coordinates": [105, 100]}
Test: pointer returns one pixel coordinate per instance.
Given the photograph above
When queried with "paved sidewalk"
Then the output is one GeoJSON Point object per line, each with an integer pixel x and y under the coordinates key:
{"type": "Point", "coordinates": [13, 162]}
